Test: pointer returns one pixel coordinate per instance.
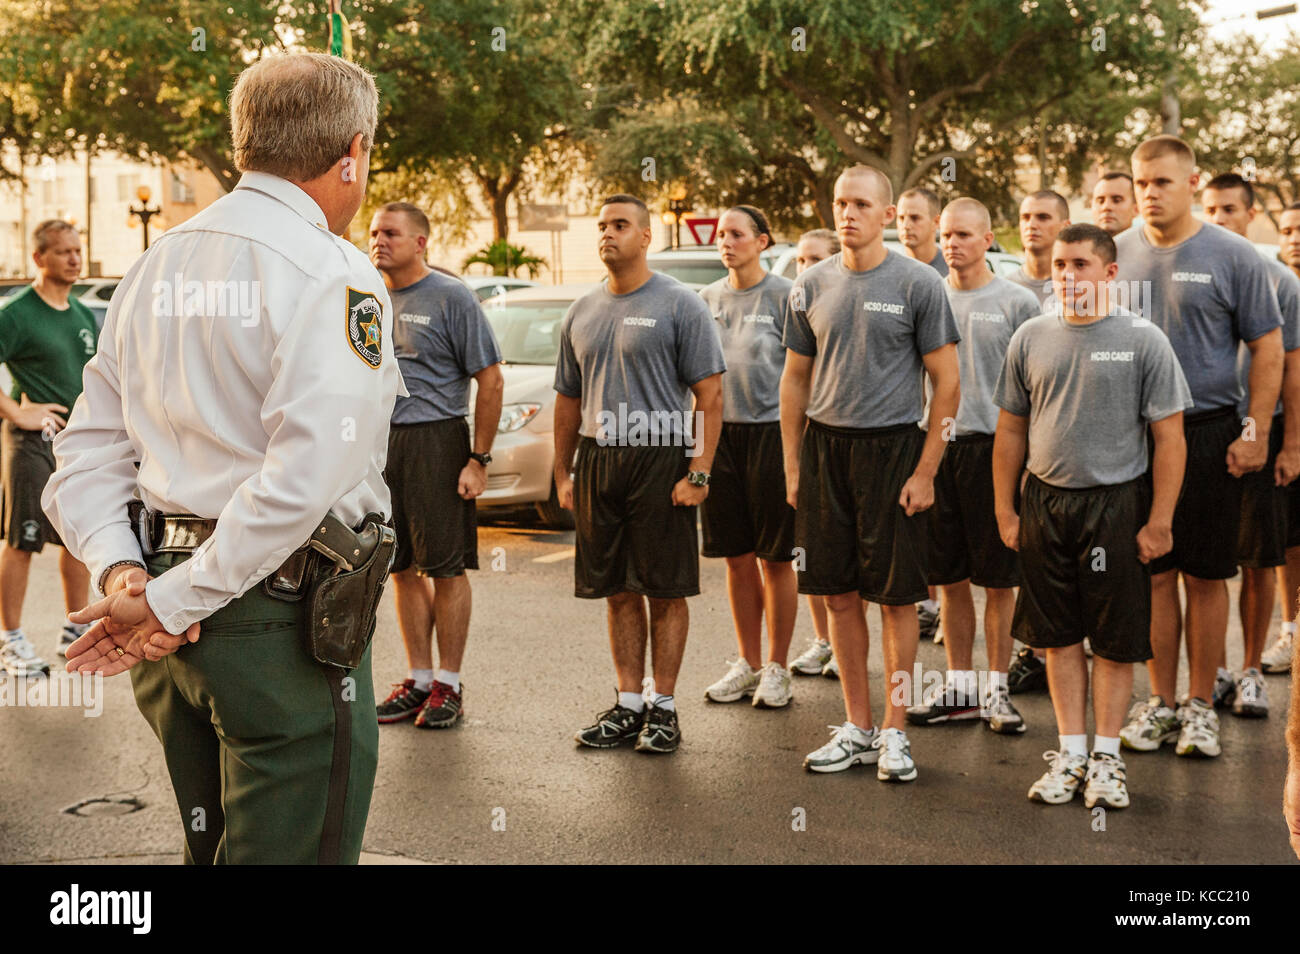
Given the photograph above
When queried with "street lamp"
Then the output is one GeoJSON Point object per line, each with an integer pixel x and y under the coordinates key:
{"type": "Point", "coordinates": [677, 207]}
{"type": "Point", "coordinates": [144, 213]}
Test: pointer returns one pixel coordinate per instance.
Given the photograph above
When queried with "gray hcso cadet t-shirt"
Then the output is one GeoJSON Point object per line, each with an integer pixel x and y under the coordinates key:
{"type": "Point", "coordinates": [442, 339]}
{"type": "Point", "coordinates": [1287, 288]}
{"type": "Point", "coordinates": [1040, 287]}
{"type": "Point", "coordinates": [751, 324]}
{"type": "Point", "coordinates": [632, 360]}
{"type": "Point", "coordinates": [1089, 392]}
{"type": "Point", "coordinates": [866, 333]}
{"type": "Point", "coordinates": [1207, 294]}
{"type": "Point", "coordinates": [986, 318]}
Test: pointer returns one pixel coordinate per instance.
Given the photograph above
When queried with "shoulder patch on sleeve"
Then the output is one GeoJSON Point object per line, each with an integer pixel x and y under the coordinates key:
{"type": "Point", "coordinates": [365, 326]}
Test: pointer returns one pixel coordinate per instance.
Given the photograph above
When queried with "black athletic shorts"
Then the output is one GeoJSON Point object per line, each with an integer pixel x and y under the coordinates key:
{"type": "Point", "coordinates": [1293, 513]}
{"type": "Point", "coordinates": [1208, 516]}
{"type": "Point", "coordinates": [848, 524]}
{"type": "Point", "coordinates": [26, 463]}
{"type": "Point", "coordinates": [1079, 570]}
{"type": "Point", "coordinates": [1262, 538]}
{"type": "Point", "coordinates": [964, 539]}
{"type": "Point", "coordinates": [437, 528]}
{"type": "Point", "coordinates": [746, 510]}
{"type": "Point", "coordinates": [629, 535]}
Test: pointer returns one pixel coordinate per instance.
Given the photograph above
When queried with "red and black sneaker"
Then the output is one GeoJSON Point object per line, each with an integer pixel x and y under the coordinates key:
{"type": "Point", "coordinates": [442, 708]}
{"type": "Point", "coordinates": [402, 703]}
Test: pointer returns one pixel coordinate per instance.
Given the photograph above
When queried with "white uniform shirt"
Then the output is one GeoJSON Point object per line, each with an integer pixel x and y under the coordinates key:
{"type": "Point", "coordinates": [246, 365]}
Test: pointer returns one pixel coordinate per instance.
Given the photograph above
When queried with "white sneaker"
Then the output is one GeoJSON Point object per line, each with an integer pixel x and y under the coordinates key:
{"type": "Point", "coordinates": [1200, 732]}
{"type": "Point", "coordinates": [895, 763]}
{"type": "Point", "coordinates": [812, 660]}
{"type": "Point", "coordinates": [20, 659]}
{"type": "Point", "coordinates": [832, 669]}
{"type": "Point", "coordinates": [1252, 697]}
{"type": "Point", "coordinates": [741, 680]}
{"type": "Point", "coordinates": [1059, 783]}
{"type": "Point", "coordinates": [848, 746]}
{"type": "Point", "coordinates": [1106, 782]}
{"type": "Point", "coordinates": [1151, 724]}
{"type": "Point", "coordinates": [773, 687]}
{"type": "Point", "coordinates": [1277, 658]}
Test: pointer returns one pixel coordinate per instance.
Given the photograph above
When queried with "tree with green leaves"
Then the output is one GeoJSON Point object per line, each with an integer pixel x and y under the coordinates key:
{"type": "Point", "coordinates": [922, 91]}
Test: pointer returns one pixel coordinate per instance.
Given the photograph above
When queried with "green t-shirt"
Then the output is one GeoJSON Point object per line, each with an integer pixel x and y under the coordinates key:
{"type": "Point", "coordinates": [44, 348]}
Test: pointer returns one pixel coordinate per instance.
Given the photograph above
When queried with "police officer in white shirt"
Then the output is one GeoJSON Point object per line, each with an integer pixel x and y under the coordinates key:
{"type": "Point", "coordinates": [241, 395]}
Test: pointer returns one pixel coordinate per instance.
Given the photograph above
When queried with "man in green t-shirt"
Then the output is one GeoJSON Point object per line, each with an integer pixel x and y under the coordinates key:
{"type": "Point", "coordinates": [46, 338]}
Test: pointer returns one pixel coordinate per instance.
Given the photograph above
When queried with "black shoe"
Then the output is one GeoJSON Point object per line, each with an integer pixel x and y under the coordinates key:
{"type": "Point", "coordinates": [444, 707]}
{"type": "Point", "coordinates": [660, 732]}
{"type": "Point", "coordinates": [614, 727]}
{"type": "Point", "coordinates": [1028, 673]}
{"type": "Point", "coordinates": [402, 703]}
{"type": "Point", "coordinates": [927, 621]}
{"type": "Point", "coordinates": [948, 705]}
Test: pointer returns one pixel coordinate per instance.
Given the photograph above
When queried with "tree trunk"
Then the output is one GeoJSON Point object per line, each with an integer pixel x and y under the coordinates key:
{"type": "Point", "coordinates": [1171, 121]}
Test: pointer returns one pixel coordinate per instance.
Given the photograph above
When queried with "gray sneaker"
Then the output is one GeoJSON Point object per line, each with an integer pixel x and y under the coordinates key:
{"type": "Point", "coordinates": [895, 763]}
{"type": "Point", "coordinates": [849, 746]}
{"type": "Point", "coordinates": [1150, 725]}
{"type": "Point", "coordinates": [741, 680]}
{"type": "Point", "coordinates": [1000, 715]}
{"type": "Point", "coordinates": [773, 690]}
{"type": "Point", "coordinates": [1252, 697]}
{"type": "Point", "coordinates": [1225, 688]}
{"type": "Point", "coordinates": [812, 660]}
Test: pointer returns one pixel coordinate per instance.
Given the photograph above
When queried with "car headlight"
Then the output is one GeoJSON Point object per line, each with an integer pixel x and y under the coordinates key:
{"type": "Point", "coordinates": [515, 416]}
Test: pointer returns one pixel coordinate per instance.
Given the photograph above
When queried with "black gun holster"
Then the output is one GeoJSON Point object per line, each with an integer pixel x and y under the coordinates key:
{"type": "Point", "coordinates": [347, 581]}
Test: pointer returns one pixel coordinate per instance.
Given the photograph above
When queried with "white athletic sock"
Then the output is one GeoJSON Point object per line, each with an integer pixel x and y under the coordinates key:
{"type": "Point", "coordinates": [1288, 627]}
{"type": "Point", "coordinates": [11, 633]}
{"type": "Point", "coordinates": [1110, 746]}
{"type": "Point", "coordinates": [448, 678]}
{"type": "Point", "coordinates": [666, 702]}
{"type": "Point", "coordinates": [632, 700]}
{"type": "Point", "coordinates": [423, 678]}
{"type": "Point", "coordinates": [930, 606]}
{"type": "Point", "coordinates": [1074, 744]}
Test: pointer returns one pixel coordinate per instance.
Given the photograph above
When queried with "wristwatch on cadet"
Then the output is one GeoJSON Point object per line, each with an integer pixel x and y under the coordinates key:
{"type": "Point", "coordinates": [483, 459]}
{"type": "Point", "coordinates": [698, 478]}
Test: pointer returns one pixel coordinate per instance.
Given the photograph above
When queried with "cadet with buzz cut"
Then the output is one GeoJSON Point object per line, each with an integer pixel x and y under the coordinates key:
{"type": "Point", "coordinates": [1042, 215]}
{"type": "Point", "coordinates": [1229, 201]}
{"type": "Point", "coordinates": [865, 327]}
{"type": "Point", "coordinates": [1277, 658]}
{"type": "Point", "coordinates": [1113, 204]}
{"type": "Point", "coordinates": [918, 224]}
{"type": "Point", "coordinates": [241, 595]}
{"type": "Point", "coordinates": [965, 547]}
{"type": "Point", "coordinates": [633, 467]}
{"type": "Point", "coordinates": [1078, 391]}
{"type": "Point", "coordinates": [1209, 291]}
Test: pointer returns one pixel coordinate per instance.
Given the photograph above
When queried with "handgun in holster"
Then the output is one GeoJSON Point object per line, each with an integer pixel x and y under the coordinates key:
{"type": "Point", "coordinates": [347, 573]}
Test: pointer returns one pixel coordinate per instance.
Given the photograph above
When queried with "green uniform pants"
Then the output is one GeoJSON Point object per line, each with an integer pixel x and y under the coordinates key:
{"type": "Point", "coordinates": [271, 754]}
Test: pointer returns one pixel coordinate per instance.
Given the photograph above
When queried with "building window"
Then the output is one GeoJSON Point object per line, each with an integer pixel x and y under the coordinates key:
{"type": "Point", "coordinates": [182, 191]}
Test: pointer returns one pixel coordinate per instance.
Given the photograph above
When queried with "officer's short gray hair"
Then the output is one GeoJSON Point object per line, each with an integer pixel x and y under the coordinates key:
{"type": "Point", "coordinates": [43, 235]}
{"type": "Point", "coordinates": [295, 116]}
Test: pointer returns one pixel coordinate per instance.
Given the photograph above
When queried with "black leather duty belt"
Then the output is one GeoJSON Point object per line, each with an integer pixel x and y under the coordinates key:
{"type": "Point", "coordinates": [183, 533]}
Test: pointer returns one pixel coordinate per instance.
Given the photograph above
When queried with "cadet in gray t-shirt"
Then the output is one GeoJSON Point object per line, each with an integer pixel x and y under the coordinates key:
{"type": "Point", "coordinates": [866, 332]}
{"type": "Point", "coordinates": [751, 324]}
{"type": "Point", "coordinates": [1041, 287]}
{"type": "Point", "coordinates": [1207, 294]}
{"type": "Point", "coordinates": [633, 358]}
{"type": "Point", "coordinates": [1287, 288]}
{"type": "Point", "coordinates": [442, 339]}
{"type": "Point", "coordinates": [1089, 391]}
{"type": "Point", "coordinates": [986, 318]}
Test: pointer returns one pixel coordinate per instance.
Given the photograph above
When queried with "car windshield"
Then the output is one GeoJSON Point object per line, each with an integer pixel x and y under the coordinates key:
{"type": "Point", "coordinates": [528, 331]}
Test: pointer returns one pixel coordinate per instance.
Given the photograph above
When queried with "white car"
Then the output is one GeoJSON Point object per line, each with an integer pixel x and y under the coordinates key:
{"type": "Point", "coordinates": [490, 286]}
